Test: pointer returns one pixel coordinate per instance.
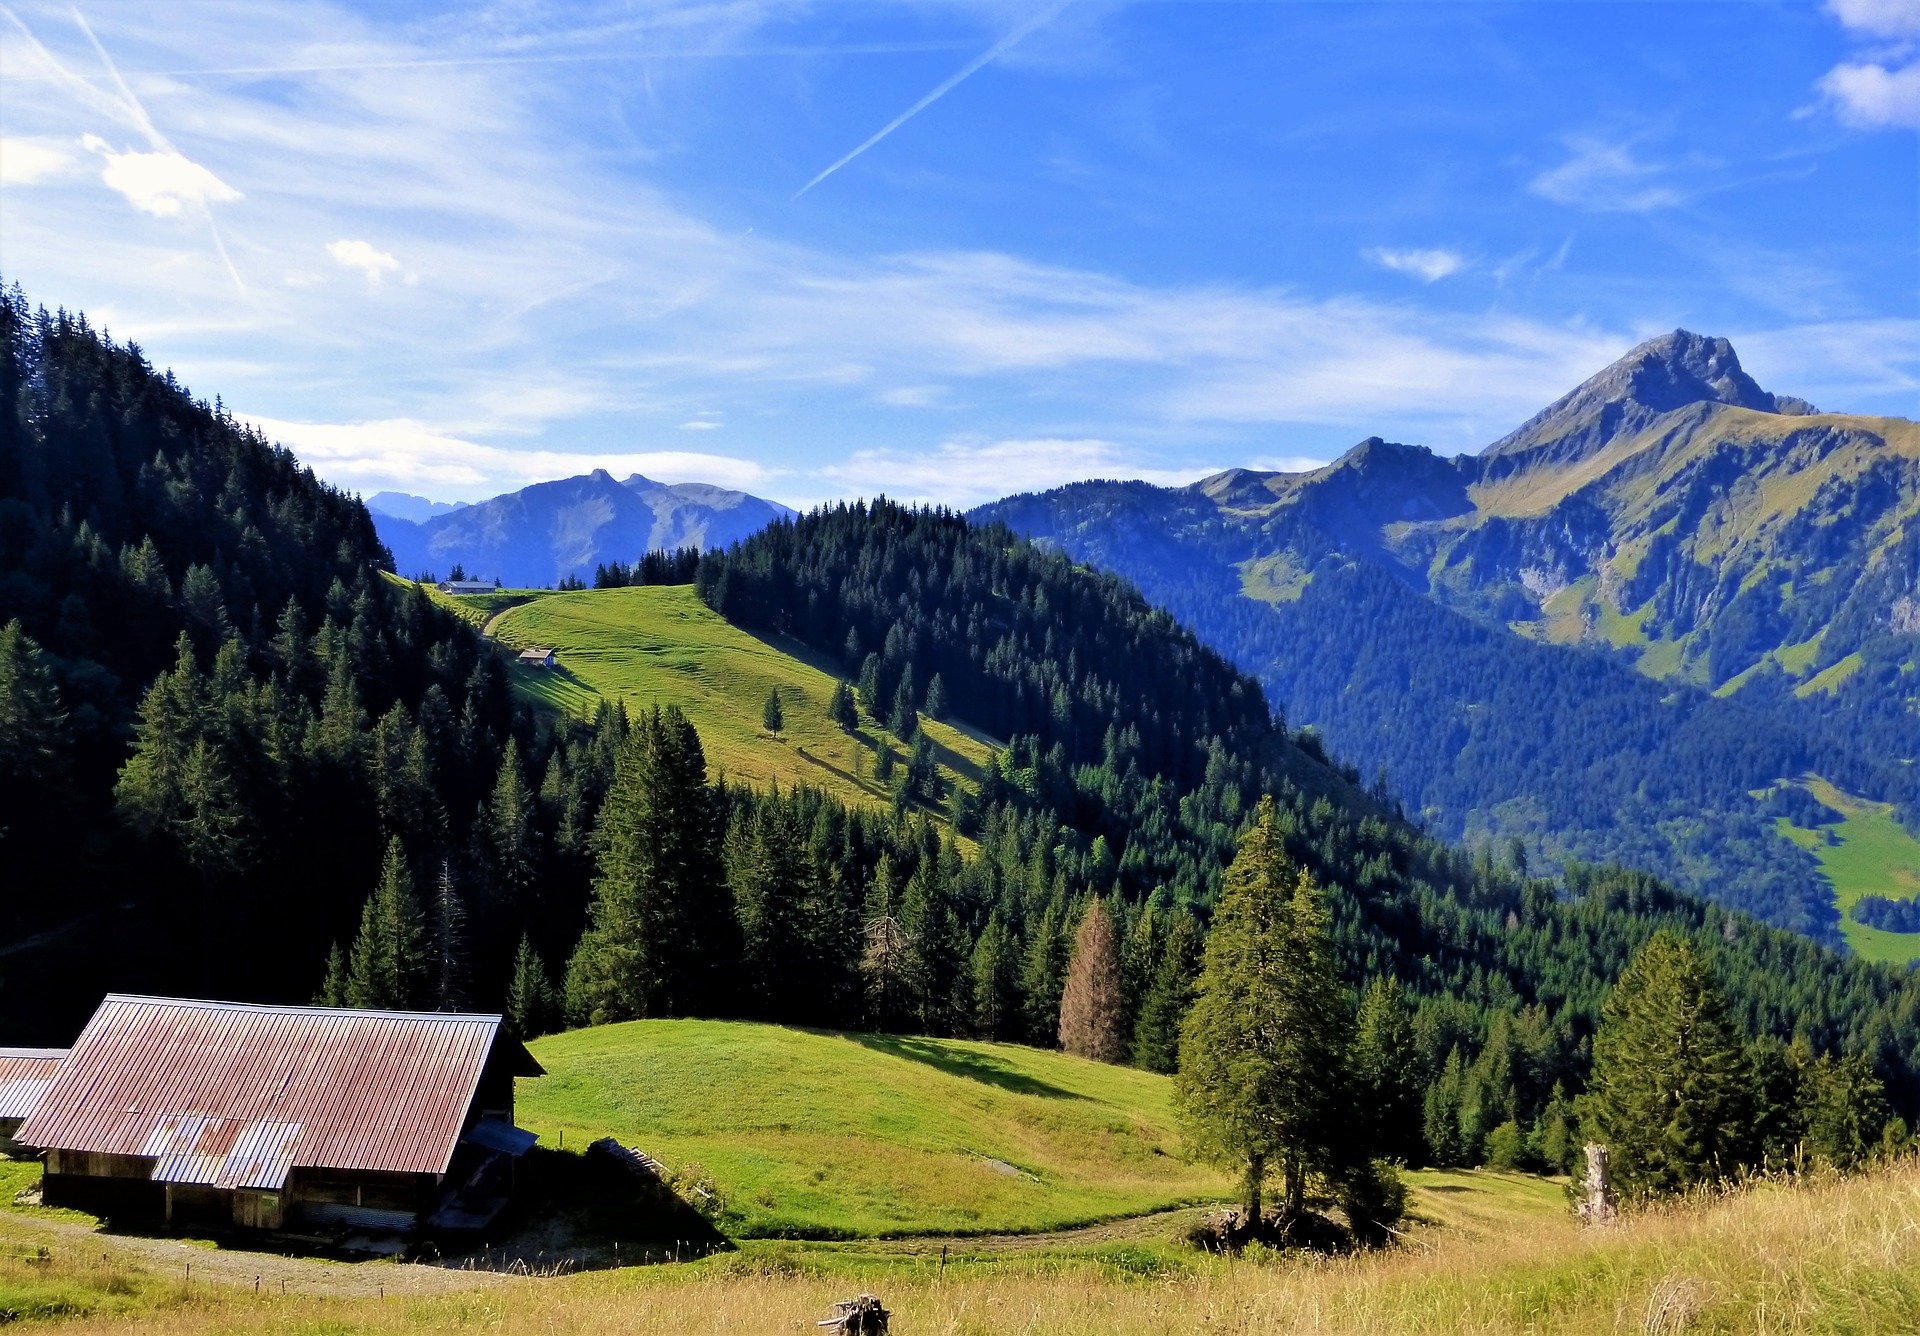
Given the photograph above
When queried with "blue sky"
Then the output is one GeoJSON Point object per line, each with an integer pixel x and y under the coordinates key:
{"type": "Point", "coordinates": [455, 249]}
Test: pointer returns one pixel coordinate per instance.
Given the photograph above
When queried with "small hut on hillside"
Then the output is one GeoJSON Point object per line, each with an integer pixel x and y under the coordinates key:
{"type": "Point", "coordinates": [305, 1119]}
{"type": "Point", "coordinates": [539, 658]}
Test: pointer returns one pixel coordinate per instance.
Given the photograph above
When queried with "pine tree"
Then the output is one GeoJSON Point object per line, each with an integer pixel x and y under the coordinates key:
{"type": "Point", "coordinates": [841, 708]}
{"type": "Point", "coordinates": [1156, 1033]}
{"type": "Point", "coordinates": [1668, 1094]}
{"type": "Point", "coordinates": [1093, 1011]}
{"type": "Point", "coordinates": [1386, 1071]}
{"type": "Point", "coordinates": [386, 969]}
{"type": "Point", "coordinates": [888, 964]}
{"type": "Point", "coordinates": [449, 943]}
{"type": "Point", "coordinates": [937, 698]}
{"type": "Point", "coordinates": [660, 925]}
{"type": "Point", "coordinates": [995, 970]}
{"type": "Point", "coordinates": [770, 716]}
{"type": "Point", "coordinates": [510, 836]}
{"type": "Point", "coordinates": [1263, 1050]}
{"type": "Point", "coordinates": [1440, 1113]}
{"type": "Point", "coordinates": [531, 1005]}
{"type": "Point", "coordinates": [1043, 976]}
{"type": "Point", "coordinates": [939, 948]}
{"type": "Point", "coordinates": [334, 990]}
{"type": "Point", "coordinates": [904, 719]}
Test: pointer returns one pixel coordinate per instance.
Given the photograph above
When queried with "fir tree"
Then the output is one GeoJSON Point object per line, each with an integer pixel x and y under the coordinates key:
{"type": "Point", "coordinates": [387, 966]}
{"type": "Point", "coordinates": [1668, 1094]}
{"type": "Point", "coordinates": [841, 708]}
{"type": "Point", "coordinates": [770, 716]}
{"type": "Point", "coordinates": [937, 698]}
{"type": "Point", "coordinates": [449, 943]}
{"type": "Point", "coordinates": [1156, 1032]}
{"type": "Point", "coordinates": [531, 1004]}
{"type": "Point", "coordinates": [995, 970]}
{"type": "Point", "coordinates": [1093, 1011]}
{"type": "Point", "coordinates": [1386, 1071]}
{"type": "Point", "coordinates": [1263, 1050]}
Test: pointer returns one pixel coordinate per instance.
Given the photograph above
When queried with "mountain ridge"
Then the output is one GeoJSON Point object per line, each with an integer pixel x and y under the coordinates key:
{"type": "Point", "coordinates": [552, 531]}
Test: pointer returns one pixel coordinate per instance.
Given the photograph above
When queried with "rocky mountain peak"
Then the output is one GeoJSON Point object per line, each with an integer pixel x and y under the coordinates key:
{"type": "Point", "coordinates": [1660, 375]}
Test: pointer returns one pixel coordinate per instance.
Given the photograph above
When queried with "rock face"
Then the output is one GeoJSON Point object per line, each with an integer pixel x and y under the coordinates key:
{"type": "Point", "coordinates": [545, 533]}
{"type": "Point", "coordinates": [1657, 377]}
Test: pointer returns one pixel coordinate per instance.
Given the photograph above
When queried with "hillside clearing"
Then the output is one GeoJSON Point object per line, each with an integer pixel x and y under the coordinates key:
{"type": "Point", "coordinates": [812, 1134]}
{"type": "Point", "coordinates": [1870, 854]}
{"type": "Point", "coordinates": [660, 645]}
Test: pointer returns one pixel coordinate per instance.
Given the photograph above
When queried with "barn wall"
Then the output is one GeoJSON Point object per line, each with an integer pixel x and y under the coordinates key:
{"type": "Point", "coordinates": [116, 1186]}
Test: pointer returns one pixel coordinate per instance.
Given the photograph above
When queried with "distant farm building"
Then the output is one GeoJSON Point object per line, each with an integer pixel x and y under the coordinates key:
{"type": "Point", "coordinates": [539, 658]}
{"type": "Point", "coordinates": [311, 1120]}
{"type": "Point", "coordinates": [25, 1074]}
{"type": "Point", "coordinates": [469, 586]}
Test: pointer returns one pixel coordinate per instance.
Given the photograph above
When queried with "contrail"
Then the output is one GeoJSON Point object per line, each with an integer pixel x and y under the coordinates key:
{"type": "Point", "coordinates": [971, 68]}
{"type": "Point", "coordinates": [158, 142]}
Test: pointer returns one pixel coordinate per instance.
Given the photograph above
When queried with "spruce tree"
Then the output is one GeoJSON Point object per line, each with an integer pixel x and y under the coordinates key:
{"type": "Point", "coordinates": [1263, 1050]}
{"type": "Point", "coordinates": [1043, 975]}
{"type": "Point", "coordinates": [1156, 1032]}
{"type": "Point", "coordinates": [1093, 1012]}
{"type": "Point", "coordinates": [841, 708]}
{"type": "Point", "coordinates": [1668, 1093]}
{"type": "Point", "coordinates": [386, 969]}
{"type": "Point", "coordinates": [530, 1008]}
{"type": "Point", "coordinates": [1440, 1113]}
{"type": "Point", "coordinates": [1386, 1071]}
{"type": "Point", "coordinates": [449, 947]}
{"type": "Point", "coordinates": [771, 717]}
{"type": "Point", "coordinates": [937, 698]}
{"type": "Point", "coordinates": [995, 970]}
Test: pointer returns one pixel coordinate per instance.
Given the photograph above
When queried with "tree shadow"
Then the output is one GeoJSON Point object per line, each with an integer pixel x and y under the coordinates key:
{"type": "Point", "coordinates": [971, 1066]}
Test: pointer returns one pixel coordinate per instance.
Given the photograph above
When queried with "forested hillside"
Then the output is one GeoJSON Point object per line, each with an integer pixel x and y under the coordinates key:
{"type": "Point", "coordinates": [1608, 636]}
{"type": "Point", "coordinates": [234, 749]}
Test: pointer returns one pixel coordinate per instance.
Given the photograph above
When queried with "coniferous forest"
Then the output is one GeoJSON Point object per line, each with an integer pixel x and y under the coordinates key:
{"type": "Point", "coordinates": [238, 758]}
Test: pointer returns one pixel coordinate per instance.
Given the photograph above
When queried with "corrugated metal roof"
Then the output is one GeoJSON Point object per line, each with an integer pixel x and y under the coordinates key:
{"type": "Point", "coordinates": [233, 1095]}
{"type": "Point", "coordinates": [25, 1075]}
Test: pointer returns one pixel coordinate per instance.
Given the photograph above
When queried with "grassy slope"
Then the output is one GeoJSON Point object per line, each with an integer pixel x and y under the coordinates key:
{"type": "Point", "coordinates": [1827, 1256]}
{"type": "Point", "coordinates": [814, 1134]}
{"type": "Point", "coordinates": [661, 645]}
{"type": "Point", "coordinates": [1873, 855]}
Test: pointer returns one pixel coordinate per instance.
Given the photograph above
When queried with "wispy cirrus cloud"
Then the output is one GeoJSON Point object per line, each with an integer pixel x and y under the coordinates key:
{"type": "Point", "coordinates": [25, 161]}
{"type": "Point", "coordinates": [1607, 176]}
{"type": "Point", "coordinates": [1431, 265]}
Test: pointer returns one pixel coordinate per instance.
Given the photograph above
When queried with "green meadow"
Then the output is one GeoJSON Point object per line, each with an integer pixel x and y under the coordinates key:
{"type": "Point", "coordinates": [660, 645]}
{"type": "Point", "coordinates": [1869, 853]}
{"type": "Point", "coordinates": [815, 1134]}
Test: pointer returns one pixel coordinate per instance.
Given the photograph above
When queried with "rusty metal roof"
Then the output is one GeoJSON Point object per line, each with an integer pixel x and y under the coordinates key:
{"type": "Point", "coordinates": [25, 1074]}
{"type": "Point", "coordinates": [232, 1094]}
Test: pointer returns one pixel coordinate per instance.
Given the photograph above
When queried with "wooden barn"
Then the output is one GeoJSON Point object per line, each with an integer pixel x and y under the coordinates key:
{"type": "Point", "coordinates": [307, 1120]}
{"type": "Point", "coordinates": [25, 1074]}
{"type": "Point", "coordinates": [539, 658]}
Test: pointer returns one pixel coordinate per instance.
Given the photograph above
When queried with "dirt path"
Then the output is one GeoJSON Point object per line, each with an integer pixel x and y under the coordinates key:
{"type": "Point", "coordinates": [1157, 1226]}
{"type": "Point", "coordinates": [194, 1262]}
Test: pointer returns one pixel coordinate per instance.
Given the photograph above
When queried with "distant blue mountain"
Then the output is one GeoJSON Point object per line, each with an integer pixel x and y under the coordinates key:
{"type": "Point", "coordinates": [406, 506]}
{"type": "Point", "coordinates": [544, 533]}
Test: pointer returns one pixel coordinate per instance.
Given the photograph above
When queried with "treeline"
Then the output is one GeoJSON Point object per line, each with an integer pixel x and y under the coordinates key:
{"type": "Point", "coordinates": [674, 567]}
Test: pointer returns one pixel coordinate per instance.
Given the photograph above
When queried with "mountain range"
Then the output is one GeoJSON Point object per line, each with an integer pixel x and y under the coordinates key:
{"type": "Point", "coordinates": [1610, 634]}
{"type": "Point", "coordinates": [551, 531]}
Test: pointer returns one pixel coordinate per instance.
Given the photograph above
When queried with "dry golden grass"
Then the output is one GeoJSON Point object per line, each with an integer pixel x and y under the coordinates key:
{"type": "Point", "coordinates": [1822, 1257]}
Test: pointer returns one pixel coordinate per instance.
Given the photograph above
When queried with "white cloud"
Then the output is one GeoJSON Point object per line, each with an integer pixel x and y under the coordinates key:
{"type": "Point", "coordinates": [1604, 177]}
{"type": "Point", "coordinates": [361, 255]}
{"type": "Point", "coordinates": [969, 473]}
{"type": "Point", "coordinates": [1874, 97]}
{"type": "Point", "coordinates": [1431, 265]}
{"type": "Point", "coordinates": [407, 455]}
{"type": "Point", "coordinates": [25, 161]}
{"type": "Point", "coordinates": [161, 183]}
{"type": "Point", "coordinates": [1287, 464]}
{"type": "Point", "coordinates": [1878, 18]}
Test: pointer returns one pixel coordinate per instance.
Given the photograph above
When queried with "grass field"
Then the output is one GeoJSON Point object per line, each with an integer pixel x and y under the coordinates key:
{"type": "Point", "coordinates": [1872, 854]}
{"type": "Point", "coordinates": [660, 645]}
{"type": "Point", "coordinates": [822, 1135]}
{"type": "Point", "coordinates": [1828, 1256]}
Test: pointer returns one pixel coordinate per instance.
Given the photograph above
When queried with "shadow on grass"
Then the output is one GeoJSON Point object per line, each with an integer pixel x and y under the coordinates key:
{"type": "Point", "coordinates": [982, 1067]}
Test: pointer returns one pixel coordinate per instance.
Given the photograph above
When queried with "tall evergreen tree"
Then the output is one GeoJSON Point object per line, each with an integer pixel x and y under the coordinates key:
{"type": "Point", "coordinates": [995, 968]}
{"type": "Point", "coordinates": [841, 708]}
{"type": "Point", "coordinates": [1263, 1050]}
{"type": "Point", "coordinates": [771, 716]}
{"type": "Point", "coordinates": [1669, 1093]}
{"type": "Point", "coordinates": [532, 1007]}
{"type": "Point", "coordinates": [1093, 1012]}
{"type": "Point", "coordinates": [1386, 1072]}
{"type": "Point", "coordinates": [1156, 1032]}
{"type": "Point", "coordinates": [387, 967]}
